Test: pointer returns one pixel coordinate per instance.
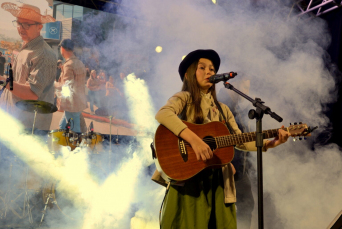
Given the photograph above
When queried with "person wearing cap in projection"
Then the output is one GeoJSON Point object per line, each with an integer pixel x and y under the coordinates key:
{"type": "Point", "coordinates": [34, 68]}
{"type": "Point", "coordinates": [70, 88]}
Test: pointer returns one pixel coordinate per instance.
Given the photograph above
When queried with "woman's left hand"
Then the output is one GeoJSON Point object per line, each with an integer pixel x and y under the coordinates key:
{"type": "Point", "coordinates": [280, 139]}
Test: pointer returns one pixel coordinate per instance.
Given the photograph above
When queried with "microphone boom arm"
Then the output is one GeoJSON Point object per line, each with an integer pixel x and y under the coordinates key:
{"type": "Point", "coordinates": [256, 103]}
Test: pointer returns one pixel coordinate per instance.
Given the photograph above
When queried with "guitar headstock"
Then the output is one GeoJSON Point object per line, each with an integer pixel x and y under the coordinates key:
{"type": "Point", "coordinates": [300, 130]}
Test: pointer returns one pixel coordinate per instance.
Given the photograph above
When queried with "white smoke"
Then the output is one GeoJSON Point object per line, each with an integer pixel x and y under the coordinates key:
{"type": "Point", "coordinates": [285, 60]}
{"type": "Point", "coordinates": [283, 57]}
{"type": "Point", "coordinates": [95, 204]}
{"type": "Point", "coordinates": [142, 114]}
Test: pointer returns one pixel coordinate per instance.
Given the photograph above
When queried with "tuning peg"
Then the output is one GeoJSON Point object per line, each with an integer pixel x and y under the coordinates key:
{"type": "Point", "coordinates": [295, 123]}
{"type": "Point", "coordinates": [294, 139]}
{"type": "Point", "coordinates": [290, 124]}
{"type": "Point", "coordinates": [305, 138]}
{"type": "Point", "coordinates": [300, 139]}
{"type": "Point", "coordinates": [300, 123]}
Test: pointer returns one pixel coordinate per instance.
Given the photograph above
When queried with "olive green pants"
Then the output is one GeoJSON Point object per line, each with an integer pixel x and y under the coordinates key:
{"type": "Point", "coordinates": [199, 204]}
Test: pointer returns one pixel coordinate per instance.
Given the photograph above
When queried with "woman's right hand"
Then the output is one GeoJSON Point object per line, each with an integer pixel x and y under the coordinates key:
{"type": "Point", "coordinates": [201, 149]}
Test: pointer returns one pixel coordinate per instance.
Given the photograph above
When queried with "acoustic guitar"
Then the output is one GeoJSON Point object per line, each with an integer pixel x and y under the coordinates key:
{"type": "Point", "coordinates": [176, 160]}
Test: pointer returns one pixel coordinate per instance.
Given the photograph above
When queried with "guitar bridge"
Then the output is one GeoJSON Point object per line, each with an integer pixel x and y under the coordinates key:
{"type": "Point", "coordinates": [182, 149]}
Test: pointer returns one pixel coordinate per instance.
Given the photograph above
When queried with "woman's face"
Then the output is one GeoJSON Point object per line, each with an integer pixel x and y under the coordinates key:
{"type": "Point", "coordinates": [205, 69]}
{"type": "Point", "coordinates": [93, 74]}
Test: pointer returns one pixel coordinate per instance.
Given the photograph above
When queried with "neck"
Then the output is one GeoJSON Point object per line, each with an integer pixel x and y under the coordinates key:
{"type": "Point", "coordinates": [204, 91]}
{"type": "Point", "coordinates": [235, 139]}
{"type": "Point", "coordinates": [67, 55]}
{"type": "Point", "coordinates": [27, 41]}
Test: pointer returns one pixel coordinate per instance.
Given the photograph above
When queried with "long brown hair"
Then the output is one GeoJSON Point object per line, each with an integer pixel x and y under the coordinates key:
{"type": "Point", "coordinates": [190, 84]}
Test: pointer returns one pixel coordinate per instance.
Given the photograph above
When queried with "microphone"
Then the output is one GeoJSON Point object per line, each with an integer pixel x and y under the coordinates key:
{"type": "Point", "coordinates": [222, 77]}
{"type": "Point", "coordinates": [90, 135]}
{"type": "Point", "coordinates": [10, 76]}
{"type": "Point", "coordinates": [91, 128]}
{"type": "Point", "coordinates": [67, 126]}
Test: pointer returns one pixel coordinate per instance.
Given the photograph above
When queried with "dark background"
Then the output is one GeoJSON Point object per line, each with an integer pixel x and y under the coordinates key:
{"type": "Point", "coordinates": [334, 112]}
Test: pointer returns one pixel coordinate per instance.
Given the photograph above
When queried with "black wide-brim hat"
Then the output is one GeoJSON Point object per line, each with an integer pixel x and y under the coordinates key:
{"type": "Point", "coordinates": [196, 55]}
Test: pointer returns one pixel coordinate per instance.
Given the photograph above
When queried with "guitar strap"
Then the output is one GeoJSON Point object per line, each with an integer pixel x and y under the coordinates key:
{"type": "Point", "coordinates": [224, 117]}
{"type": "Point", "coordinates": [182, 115]}
{"type": "Point", "coordinates": [153, 150]}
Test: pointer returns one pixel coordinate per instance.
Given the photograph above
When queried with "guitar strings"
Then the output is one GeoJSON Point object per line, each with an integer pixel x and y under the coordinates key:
{"type": "Point", "coordinates": [238, 138]}
{"type": "Point", "coordinates": [235, 138]}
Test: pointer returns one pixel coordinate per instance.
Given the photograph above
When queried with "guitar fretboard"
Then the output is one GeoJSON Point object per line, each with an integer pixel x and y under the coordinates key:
{"type": "Point", "coordinates": [236, 139]}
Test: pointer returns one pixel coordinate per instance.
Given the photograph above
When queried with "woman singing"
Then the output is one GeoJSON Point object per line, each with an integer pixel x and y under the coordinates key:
{"type": "Point", "coordinates": [207, 200]}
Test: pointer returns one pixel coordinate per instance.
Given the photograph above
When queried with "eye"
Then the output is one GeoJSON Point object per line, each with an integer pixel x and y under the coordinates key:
{"type": "Point", "coordinates": [25, 25]}
{"type": "Point", "coordinates": [212, 70]}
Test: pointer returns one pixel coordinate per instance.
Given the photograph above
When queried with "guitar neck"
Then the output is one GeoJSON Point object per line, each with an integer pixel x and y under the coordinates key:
{"type": "Point", "coordinates": [236, 139]}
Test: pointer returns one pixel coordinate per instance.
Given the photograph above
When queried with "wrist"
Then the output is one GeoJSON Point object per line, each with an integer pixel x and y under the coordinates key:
{"type": "Point", "coordinates": [269, 144]}
{"type": "Point", "coordinates": [189, 136]}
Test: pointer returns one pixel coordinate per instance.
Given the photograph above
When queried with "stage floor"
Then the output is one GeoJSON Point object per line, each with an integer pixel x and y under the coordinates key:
{"type": "Point", "coordinates": [101, 124]}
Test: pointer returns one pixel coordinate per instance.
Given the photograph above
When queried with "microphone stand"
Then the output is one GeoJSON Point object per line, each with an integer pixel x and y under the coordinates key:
{"type": "Point", "coordinates": [110, 141]}
{"type": "Point", "coordinates": [257, 114]}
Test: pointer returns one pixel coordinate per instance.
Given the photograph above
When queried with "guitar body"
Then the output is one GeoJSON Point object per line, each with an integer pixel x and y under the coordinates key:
{"type": "Point", "coordinates": [177, 160]}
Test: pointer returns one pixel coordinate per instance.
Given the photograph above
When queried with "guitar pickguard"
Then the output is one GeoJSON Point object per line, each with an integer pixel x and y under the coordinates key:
{"type": "Point", "coordinates": [182, 149]}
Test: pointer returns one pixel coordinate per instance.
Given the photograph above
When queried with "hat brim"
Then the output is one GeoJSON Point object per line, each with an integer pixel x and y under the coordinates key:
{"type": "Point", "coordinates": [196, 55]}
{"type": "Point", "coordinates": [26, 13]}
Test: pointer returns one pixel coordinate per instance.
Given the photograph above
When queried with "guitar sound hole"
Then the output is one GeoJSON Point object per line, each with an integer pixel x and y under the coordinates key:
{"type": "Point", "coordinates": [210, 142]}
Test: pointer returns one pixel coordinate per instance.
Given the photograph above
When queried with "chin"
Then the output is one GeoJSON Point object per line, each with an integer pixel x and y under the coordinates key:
{"type": "Point", "coordinates": [24, 38]}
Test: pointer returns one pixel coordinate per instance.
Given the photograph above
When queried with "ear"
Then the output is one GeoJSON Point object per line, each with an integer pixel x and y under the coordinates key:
{"type": "Point", "coordinates": [40, 27]}
{"type": "Point", "coordinates": [186, 75]}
